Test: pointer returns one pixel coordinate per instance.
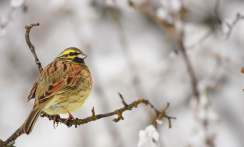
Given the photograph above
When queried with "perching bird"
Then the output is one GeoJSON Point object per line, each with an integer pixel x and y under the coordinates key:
{"type": "Point", "coordinates": [62, 86]}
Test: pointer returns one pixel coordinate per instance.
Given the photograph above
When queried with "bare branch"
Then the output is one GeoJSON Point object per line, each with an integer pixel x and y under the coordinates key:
{"type": "Point", "coordinates": [20, 131]}
{"type": "Point", "coordinates": [190, 70]}
{"type": "Point", "coordinates": [11, 140]}
{"type": "Point", "coordinates": [118, 113]}
{"type": "Point", "coordinates": [2, 144]}
{"type": "Point", "coordinates": [162, 114]}
{"type": "Point", "coordinates": [30, 45]}
{"type": "Point", "coordinates": [233, 24]}
{"type": "Point", "coordinates": [123, 100]}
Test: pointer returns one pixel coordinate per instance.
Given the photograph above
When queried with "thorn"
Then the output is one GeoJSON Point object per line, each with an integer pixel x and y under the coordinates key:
{"type": "Point", "coordinates": [123, 100]}
{"type": "Point", "coordinates": [93, 112]}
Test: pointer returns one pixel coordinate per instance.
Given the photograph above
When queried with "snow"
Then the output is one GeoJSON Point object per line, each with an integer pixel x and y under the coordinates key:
{"type": "Point", "coordinates": [148, 137]}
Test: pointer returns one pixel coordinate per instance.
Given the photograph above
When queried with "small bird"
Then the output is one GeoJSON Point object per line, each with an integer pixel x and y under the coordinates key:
{"type": "Point", "coordinates": [62, 86]}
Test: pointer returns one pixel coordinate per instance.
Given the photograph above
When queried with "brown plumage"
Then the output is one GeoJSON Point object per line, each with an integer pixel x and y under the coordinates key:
{"type": "Point", "coordinates": [62, 86]}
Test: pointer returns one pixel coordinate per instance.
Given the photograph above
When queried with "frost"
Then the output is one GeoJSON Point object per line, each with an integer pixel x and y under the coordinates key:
{"type": "Point", "coordinates": [148, 137]}
{"type": "Point", "coordinates": [16, 3]}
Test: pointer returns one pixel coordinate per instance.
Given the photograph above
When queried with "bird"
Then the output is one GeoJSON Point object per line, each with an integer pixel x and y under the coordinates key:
{"type": "Point", "coordinates": [61, 87]}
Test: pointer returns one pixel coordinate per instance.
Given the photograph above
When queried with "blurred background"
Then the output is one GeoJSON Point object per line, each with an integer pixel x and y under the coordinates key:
{"type": "Point", "coordinates": [132, 48]}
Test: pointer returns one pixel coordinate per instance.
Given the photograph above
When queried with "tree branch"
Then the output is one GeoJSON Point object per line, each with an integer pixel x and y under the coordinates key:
{"type": "Point", "coordinates": [30, 45]}
{"type": "Point", "coordinates": [10, 141]}
{"type": "Point", "coordinates": [117, 112]}
{"type": "Point", "coordinates": [75, 122]}
{"type": "Point", "coordinates": [190, 69]}
{"type": "Point", "coordinates": [233, 24]}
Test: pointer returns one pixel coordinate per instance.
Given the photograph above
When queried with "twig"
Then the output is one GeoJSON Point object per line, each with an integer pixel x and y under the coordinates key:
{"type": "Point", "coordinates": [20, 131]}
{"type": "Point", "coordinates": [117, 112]}
{"type": "Point", "coordinates": [10, 141]}
{"type": "Point", "coordinates": [190, 70]}
{"type": "Point", "coordinates": [233, 24]}
{"type": "Point", "coordinates": [30, 45]}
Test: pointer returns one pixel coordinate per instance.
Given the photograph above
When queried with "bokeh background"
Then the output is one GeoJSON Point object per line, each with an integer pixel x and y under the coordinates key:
{"type": "Point", "coordinates": [130, 53]}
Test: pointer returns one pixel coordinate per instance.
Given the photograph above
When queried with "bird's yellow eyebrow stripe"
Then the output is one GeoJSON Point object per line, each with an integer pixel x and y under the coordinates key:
{"type": "Point", "coordinates": [67, 52]}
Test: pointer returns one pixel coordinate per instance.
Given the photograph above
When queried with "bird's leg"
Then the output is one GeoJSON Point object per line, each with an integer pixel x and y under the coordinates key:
{"type": "Point", "coordinates": [70, 117]}
{"type": "Point", "coordinates": [55, 120]}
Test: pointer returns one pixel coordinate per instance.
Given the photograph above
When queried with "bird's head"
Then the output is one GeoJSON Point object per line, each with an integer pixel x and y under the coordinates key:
{"type": "Point", "coordinates": [72, 54]}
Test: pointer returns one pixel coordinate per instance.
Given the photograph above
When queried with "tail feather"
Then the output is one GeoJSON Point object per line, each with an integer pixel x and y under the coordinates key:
{"type": "Point", "coordinates": [30, 121]}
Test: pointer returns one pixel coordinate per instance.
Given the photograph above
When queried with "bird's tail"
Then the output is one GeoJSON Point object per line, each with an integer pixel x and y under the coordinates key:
{"type": "Point", "coordinates": [30, 121]}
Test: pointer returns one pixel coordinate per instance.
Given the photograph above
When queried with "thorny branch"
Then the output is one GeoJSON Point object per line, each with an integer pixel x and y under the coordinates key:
{"type": "Point", "coordinates": [118, 113]}
{"type": "Point", "coordinates": [75, 122]}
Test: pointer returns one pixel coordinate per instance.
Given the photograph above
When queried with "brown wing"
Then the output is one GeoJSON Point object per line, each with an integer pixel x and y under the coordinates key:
{"type": "Point", "coordinates": [57, 77]}
{"type": "Point", "coordinates": [48, 77]}
{"type": "Point", "coordinates": [32, 92]}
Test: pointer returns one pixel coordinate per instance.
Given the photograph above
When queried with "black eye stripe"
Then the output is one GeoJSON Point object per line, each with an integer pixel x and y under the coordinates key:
{"type": "Point", "coordinates": [73, 53]}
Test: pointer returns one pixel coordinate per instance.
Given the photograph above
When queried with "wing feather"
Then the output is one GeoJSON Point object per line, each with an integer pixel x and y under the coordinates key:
{"type": "Point", "coordinates": [57, 77]}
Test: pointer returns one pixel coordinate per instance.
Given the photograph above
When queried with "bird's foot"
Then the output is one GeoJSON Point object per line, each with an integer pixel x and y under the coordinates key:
{"type": "Point", "coordinates": [71, 117]}
{"type": "Point", "coordinates": [55, 119]}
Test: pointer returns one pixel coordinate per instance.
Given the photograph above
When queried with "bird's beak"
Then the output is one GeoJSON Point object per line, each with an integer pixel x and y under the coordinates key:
{"type": "Point", "coordinates": [82, 56]}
